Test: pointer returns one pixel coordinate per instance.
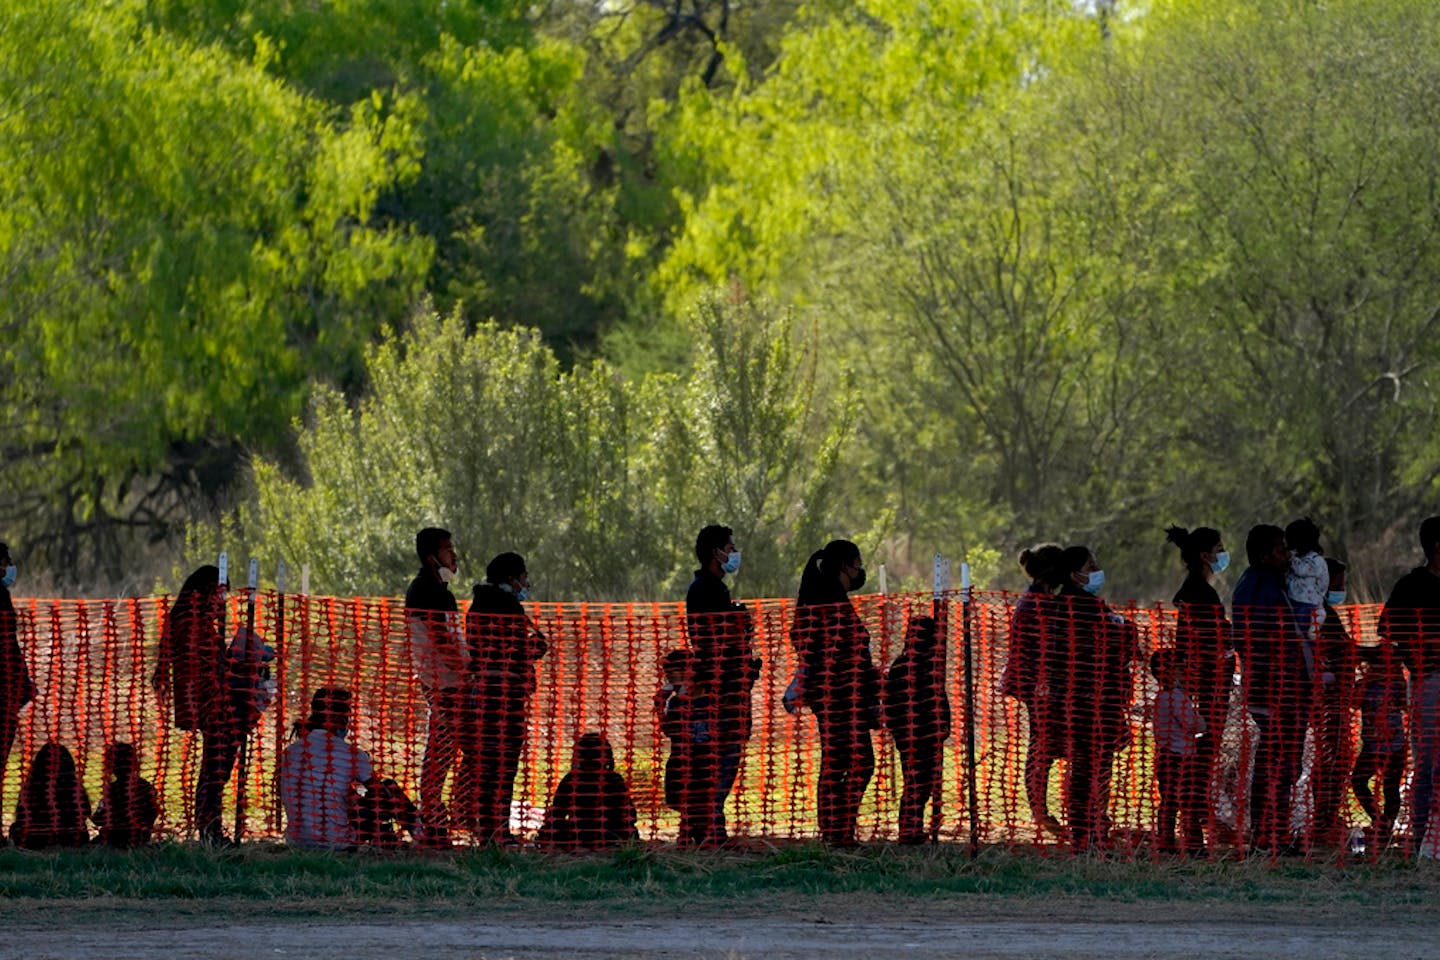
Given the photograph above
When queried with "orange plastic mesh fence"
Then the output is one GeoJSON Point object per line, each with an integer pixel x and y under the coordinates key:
{"type": "Point", "coordinates": [1093, 726]}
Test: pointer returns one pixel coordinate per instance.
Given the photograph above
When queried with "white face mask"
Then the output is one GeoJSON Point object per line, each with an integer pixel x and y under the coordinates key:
{"type": "Point", "coordinates": [445, 574]}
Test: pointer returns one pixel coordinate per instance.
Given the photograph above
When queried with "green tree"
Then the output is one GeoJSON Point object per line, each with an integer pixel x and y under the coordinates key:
{"type": "Point", "coordinates": [600, 481]}
{"type": "Point", "coordinates": [184, 242]}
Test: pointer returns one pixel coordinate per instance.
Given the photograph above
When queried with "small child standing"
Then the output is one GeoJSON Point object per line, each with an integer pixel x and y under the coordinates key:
{"type": "Point", "coordinates": [685, 717]}
{"type": "Point", "coordinates": [1181, 775]}
{"type": "Point", "coordinates": [917, 713]}
{"type": "Point", "coordinates": [1382, 740]}
{"type": "Point", "coordinates": [1308, 579]}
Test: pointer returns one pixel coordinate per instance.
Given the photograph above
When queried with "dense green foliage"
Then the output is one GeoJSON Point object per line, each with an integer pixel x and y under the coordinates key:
{"type": "Point", "coordinates": [992, 272]}
{"type": "Point", "coordinates": [595, 476]}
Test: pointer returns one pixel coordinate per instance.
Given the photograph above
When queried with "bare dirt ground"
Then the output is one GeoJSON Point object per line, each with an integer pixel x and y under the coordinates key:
{"type": "Point", "coordinates": [828, 927]}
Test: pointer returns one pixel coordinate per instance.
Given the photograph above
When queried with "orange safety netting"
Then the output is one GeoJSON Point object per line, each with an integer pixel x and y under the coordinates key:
{"type": "Point", "coordinates": [1252, 739]}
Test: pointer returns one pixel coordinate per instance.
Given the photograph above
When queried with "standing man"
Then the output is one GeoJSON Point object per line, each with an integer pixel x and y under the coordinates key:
{"type": "Point", "coordinates": [1411, 621]}
{"type": "Point", "coordinates": [441, 662]}
{"type": "Point", "coordinates": [504, 646]}
{"type": "Point", "coordinates": [725, 669]}
{"type": "Point", "coordinates": [16, 687]}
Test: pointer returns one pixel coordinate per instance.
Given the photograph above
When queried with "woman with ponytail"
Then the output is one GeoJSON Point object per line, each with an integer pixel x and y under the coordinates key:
{"type": "Point", "coordinates": [1206, 659]}
{"type": "Point", "coordinates": [1029, 663]}
{"type": "Point", "coordinates": [842, 685]}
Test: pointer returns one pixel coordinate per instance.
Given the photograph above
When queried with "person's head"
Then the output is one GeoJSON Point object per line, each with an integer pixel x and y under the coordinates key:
{"type": "Point", "coordinates": [676, 665]}
{"type": "Point", "coordinates": [838, 560]}
{"type": "Point", "coordinates": [922, 635]}
{"type": "Point", "coordinates": [716, 551]}
{"type": "Point", "coordinates": [593, 752]}
{"type": "Point", "coordinates": [1338, 576]}
{"type": "Point", "coordinates": [1265, 546]}
{"type": "Point", "coordinates": [436, 550]}
{"type": "Point", "coordinates": [1201, 550]}
{"type": "Point", "coordinates": [1165, 668]}
{"type": "Point", "coordinates": [1078, 566]}
{"type": "Point", "coordinates": [52, 775]}
{"type": "Point", "coordinates": [199, 596]}
{"type": "Point", "coordinates": [1430, 538]}
{"type": "Point", "coordinates": [204, 580]}
{"type": "Point", "coordinates": [329, 710]}
{"type": "Point", "coordinates": [1041, 563]}
{"type": "Point", "coordinates": [121, 760]}
{"type": "Point", "coordinates": [508, 572]}
{"type": "Point", "coordinates": [1303, 536]}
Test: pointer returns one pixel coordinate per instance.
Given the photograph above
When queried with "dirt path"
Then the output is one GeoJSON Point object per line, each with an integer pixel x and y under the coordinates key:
{"type": "Point", "coordinates": [936, 930]}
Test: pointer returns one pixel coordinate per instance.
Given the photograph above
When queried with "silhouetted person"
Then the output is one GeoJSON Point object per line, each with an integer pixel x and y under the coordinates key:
{"type": "Point", "coordinates": [1411, 621]}
{"type": "Point", "coordinates": [1179, 728]}
{"type": "Point", "coordinates": [687, 718]}
{"type": "Point", "coordinates": [1382, 742]}
{"type": "Point", "coordinates": [917, 713]}
{"type": "Point", "coordinates": [591, 809]}
{"type": "Point", "coordinates": [1335, 662]}
{"type": "Point", "coordinates": [724, 670]}
{"type": "Point", "coordinates": [1271, 645]}
{"type": "Point", "coordinates": [16, 687]}
{"type": "Point", "coordinates": [319, 773]}
{"type": "Point", "coordinates": [441, 661]}
{"type": "Point", "coordinates": [195, 666]}
{"type": "Point", "coordinates": [53, 805]}
{"type": "Point", "coordinates": [1098, 646]}
{"type": "Point", "coordinates": [128, 805]}
{"type": "Point", "coordinates": [504, 646]}
{"type": "Point", "coordinates": [1203, 636]}
{"type": "Point", "coordinates": [840, 684]}
{"type": "Point", "coordinates": [1035, 671]}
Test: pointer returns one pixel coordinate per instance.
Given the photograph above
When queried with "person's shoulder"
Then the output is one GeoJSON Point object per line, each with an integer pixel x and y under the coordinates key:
{"type": "Point", "coordinates": [427, 593]}
{"type": "Point", "coordinates": [707, 594]}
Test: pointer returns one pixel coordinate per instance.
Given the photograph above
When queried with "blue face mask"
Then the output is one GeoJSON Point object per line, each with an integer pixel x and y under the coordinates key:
{"type": "Point", "coordinates": [1221, 561]}
{"type": "Point", "coordinates": [732, 563]}
{"type": "Point", "coordinates": [1335, 597]}
{"type": "Point", "coordinates": [1096, 581]}
{"type": "Point", "coordinates": [8, 580]}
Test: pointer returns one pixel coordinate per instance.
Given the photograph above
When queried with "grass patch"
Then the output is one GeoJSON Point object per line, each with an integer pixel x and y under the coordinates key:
{"type": "Point", "coordinates": [272, 879]}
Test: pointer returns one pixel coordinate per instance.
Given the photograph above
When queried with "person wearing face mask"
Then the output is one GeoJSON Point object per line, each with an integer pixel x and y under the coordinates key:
{"type": "Point", "coordinates": [1099, 647]}
{"type": "Point", "coordinates": [724, 669]}
{"type": "Point", "coordinates": [1206, 661]}
{"type": "Point", "coordinates": [441, 662]}
{"type": "Point", "coordinates": [504, 645]}
{"type": "Point", "coordinates": [841, 684]}
{"type": "Point", "coordinates": [1268, 639]}
{"type": "Point", "coordinates": [16, 687]}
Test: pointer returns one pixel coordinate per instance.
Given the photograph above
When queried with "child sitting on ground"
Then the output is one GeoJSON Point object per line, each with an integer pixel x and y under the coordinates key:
{"type": "Point", "coordinates": [53, 805]}
{"type": "Point", "coordinates": [319, 775]}
{"type": "Point", "coordinates": [128, 807]}
{"type": "Point", "coordinates": [592, 809]}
